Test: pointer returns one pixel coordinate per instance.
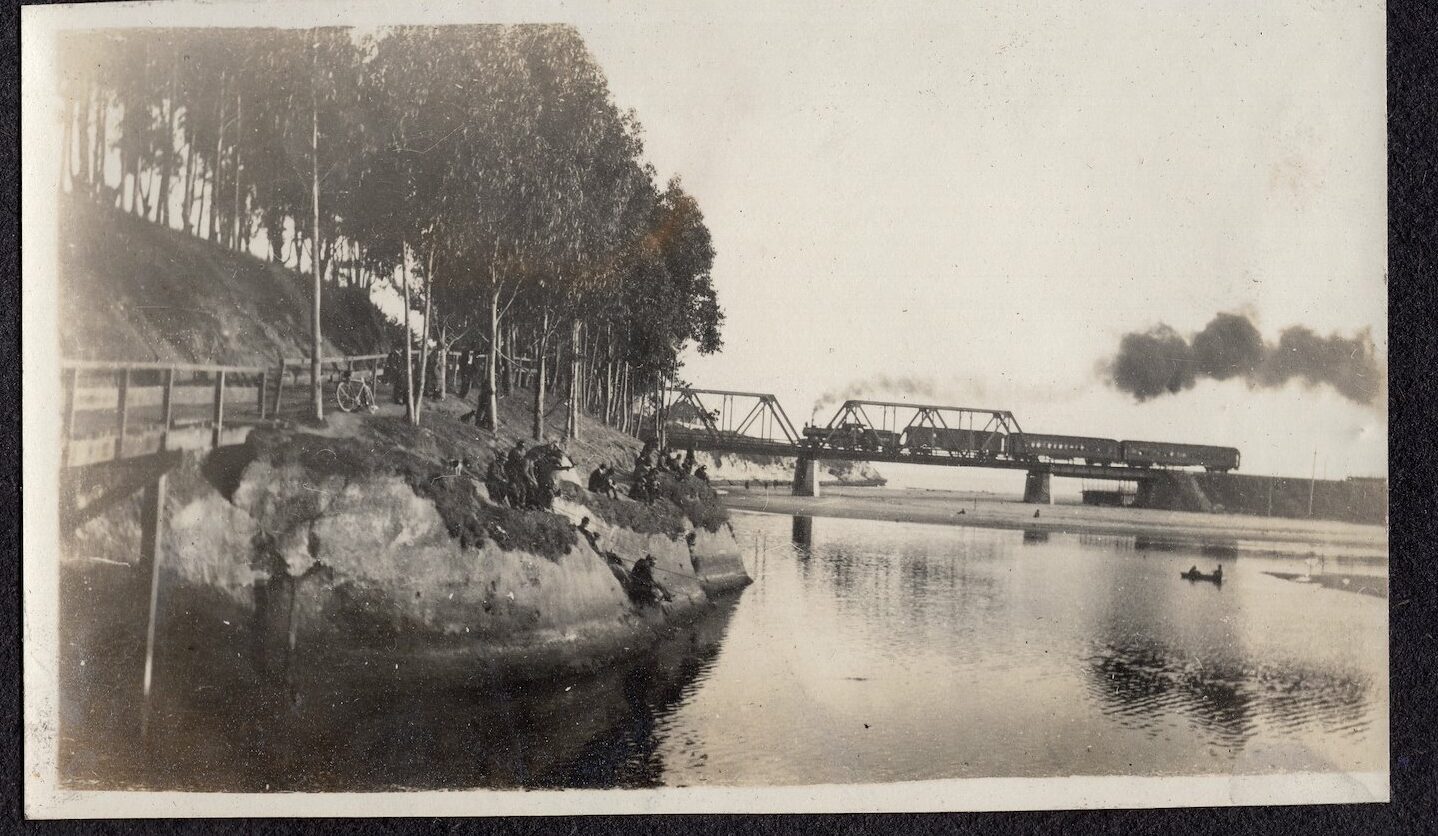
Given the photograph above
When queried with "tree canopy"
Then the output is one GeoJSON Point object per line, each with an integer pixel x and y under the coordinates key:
{"type": "Point", "coordinates": [490, 164]}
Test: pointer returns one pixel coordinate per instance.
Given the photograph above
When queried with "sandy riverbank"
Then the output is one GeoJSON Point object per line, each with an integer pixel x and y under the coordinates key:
{"type": "Point", "coordinates": [960, 508]}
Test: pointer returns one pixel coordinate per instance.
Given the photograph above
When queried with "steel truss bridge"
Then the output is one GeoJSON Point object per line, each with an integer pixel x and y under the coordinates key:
{"type": "Point", "coordinates": [723, 421]}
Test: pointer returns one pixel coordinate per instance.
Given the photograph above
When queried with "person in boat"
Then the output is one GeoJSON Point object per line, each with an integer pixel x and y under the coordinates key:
{"type": "Point", "coordinates": [1192, 570]}
{"type": "Point", "coordinates": [1218, 573]}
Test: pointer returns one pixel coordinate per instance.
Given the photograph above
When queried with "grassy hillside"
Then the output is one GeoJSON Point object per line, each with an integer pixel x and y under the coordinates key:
{"type": "Point", "coordinates": [132, 290]}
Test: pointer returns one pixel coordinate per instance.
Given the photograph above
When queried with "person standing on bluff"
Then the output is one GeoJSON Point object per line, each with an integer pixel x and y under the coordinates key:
{"type": "Point", "coordinates": [394, 375]}
{"type": "Point", "coordinates": [466, 372]}
{"type": "Point", "coordinates": [496, 480]}
{"type": "Point", "coordinates": [548, 461]}
{"type": "Point", "coordinates": [514, 470]}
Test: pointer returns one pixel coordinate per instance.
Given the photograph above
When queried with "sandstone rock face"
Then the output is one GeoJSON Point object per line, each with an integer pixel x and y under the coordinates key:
{"type": "Point", "coordinates": [363, 568]}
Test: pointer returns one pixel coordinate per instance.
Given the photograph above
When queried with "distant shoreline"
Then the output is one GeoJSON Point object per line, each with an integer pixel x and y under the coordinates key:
{"type": "Point", "coordinates": [991, 511]}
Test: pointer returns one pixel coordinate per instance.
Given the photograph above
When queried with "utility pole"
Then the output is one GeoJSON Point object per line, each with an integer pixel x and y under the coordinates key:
{"type": "Point", "coordinates": [1312, 475]}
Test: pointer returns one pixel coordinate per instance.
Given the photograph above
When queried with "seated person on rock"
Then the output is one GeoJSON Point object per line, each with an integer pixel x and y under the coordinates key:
{"type": "Point", "coordinates": [643, 588]}
{"type": "Point", "coordinates": [601, 481]}
{"type": "Point", "coordinates": [589, 534]}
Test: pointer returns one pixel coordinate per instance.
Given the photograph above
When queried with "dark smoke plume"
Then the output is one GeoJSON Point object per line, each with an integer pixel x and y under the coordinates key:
{"type": "Point", "coordinates": [1161, 361]}
{"type": "Point", "coordinates": [875, 387]}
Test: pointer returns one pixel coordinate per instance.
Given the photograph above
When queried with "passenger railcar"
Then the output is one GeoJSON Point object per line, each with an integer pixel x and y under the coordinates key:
{"type": "Point", "coordinates": [1170, 454]}
{"type": "Point", "coordinates": [1100, 451]}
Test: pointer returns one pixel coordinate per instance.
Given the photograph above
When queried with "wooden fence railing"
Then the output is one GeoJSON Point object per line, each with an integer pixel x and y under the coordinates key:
{"type": "Point", "coordinates": [133, 408]}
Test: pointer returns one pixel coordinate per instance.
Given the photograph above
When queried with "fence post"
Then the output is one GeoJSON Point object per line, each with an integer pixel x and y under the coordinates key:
{"type": "Point", "coordinates": [279, 388]}
{"type": "Point", "coordinates": [122, 413]}
{"type": "Point", "coordinates": [264, 387]}
{"type": "Point", "coordinates": [167, 408]}
{"type": "Point", "coordinates": [219, 419]}
{"type": "Point", "coordinates": [152, 536]}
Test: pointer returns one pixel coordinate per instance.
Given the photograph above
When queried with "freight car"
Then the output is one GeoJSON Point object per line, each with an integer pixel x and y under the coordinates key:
{"type": "Point", "coordinates": [1169, 454]}
{"type": "Point", "coordinates": [957, 442]}
{"type": "Point", "coordinates": [1100, 451]}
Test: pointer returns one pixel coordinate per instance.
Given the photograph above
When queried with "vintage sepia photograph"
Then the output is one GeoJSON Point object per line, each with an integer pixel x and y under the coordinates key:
{"type": "Point", "coordinates": [704, 407]}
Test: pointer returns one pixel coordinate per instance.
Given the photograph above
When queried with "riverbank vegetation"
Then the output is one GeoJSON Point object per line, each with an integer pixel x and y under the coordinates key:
{"type": "Point", "coordinates": [483, 172]}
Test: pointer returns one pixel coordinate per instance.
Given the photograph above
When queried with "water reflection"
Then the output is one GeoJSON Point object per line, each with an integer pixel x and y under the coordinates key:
{"type": "Point", "coordinates": [803, 534]}
{"type": "Point", "coordinates": [864, 651]}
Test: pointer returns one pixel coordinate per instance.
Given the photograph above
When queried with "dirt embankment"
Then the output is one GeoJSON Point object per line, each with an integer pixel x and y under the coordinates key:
{"type": "Point", "coordinates": [133, 290]}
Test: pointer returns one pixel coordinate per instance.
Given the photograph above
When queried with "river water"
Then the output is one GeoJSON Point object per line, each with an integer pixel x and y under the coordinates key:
{"type": "Point", "coordinates": [880, 651]}
{"type": "Point", "coordinates": [864, 651]}
{"type": "Point", "coordinates": [883, 651]}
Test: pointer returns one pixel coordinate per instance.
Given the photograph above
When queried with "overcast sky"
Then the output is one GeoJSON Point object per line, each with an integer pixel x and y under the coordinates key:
{"type": "Point", "coordinates": [987, 196]}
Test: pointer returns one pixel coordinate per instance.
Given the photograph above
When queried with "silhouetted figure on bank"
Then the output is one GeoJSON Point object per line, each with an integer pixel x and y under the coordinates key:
{"type": "Point", "coordinates": [702, 473]}
{"type": "Point", "coordinates": [514, 475]}
{"type": "Point", "coordinates": [496, 480]}
{"type": "Point", "coordinates": [648, 456]}
{"type": "Point", "coordinates": [643, 588]}
{"type": "Point", "coordinates": [466, 373]}
{"type": "Point", "coordinates": [689, 463]}
{"type": "Point", "coordinates": [590, 534]}
{"type": "Point", "coordinates": [394, 375]}
{"type": "Point", "coordinates": [431, 375]}
{"type": "Point", "coordinates": [545, 462]}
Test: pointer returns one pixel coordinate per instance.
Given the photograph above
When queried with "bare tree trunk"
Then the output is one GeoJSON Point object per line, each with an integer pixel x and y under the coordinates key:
{"type": "Point", "coordinates": [576, 390]}
{"type": "Point", "coordinates": [441, 367]}
{"type": "Point", "coordinates": [507, 380]}
{"type": "Point", "coordinates": [84, 142]}
{"type": "Point", "coordinates": [189, 202]}
{"type": "Point", "coordinates": [102, 117]}
{"type": "Point", "coordinates": [489, 391]}
{"type": "Point", "coordinates": [67, 145]}
{"type": "Point", "coordinates": [424, 344]}
{"type": "Point", "coordinates": [409, 411]}
{"type": "Point", "coordinates": [541, 353]}
{"type": "Point", "coordinates": [239, 167]}
{"type": "Point", "coordinates": [167, 148]}
{"type": "Point", "coordinates": [216, 165]}
{"type": "Point", "coordinates": [317, 391]}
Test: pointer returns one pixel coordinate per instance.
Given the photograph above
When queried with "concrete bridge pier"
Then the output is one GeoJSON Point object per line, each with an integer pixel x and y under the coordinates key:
{"type": "Point", "coordinates": [806, 477]}
{"type": "Point", "coordinates": [1038, 488]}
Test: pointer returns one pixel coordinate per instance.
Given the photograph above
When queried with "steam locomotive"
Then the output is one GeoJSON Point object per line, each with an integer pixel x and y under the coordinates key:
{"type": "Point", "coordinates": [1032, 447]}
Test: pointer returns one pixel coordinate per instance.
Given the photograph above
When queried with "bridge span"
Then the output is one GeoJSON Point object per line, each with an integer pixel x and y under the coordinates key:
{"type": "Point", "coordinates": [755, 423]}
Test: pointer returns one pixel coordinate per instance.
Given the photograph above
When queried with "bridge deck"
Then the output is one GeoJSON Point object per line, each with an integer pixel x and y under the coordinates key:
{"type": "Point", "coordinates": [762, 447]}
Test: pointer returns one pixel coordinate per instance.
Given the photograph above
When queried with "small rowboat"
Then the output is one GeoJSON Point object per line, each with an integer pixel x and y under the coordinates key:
{"type": "Point", "coordinates": [1216, 576]}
